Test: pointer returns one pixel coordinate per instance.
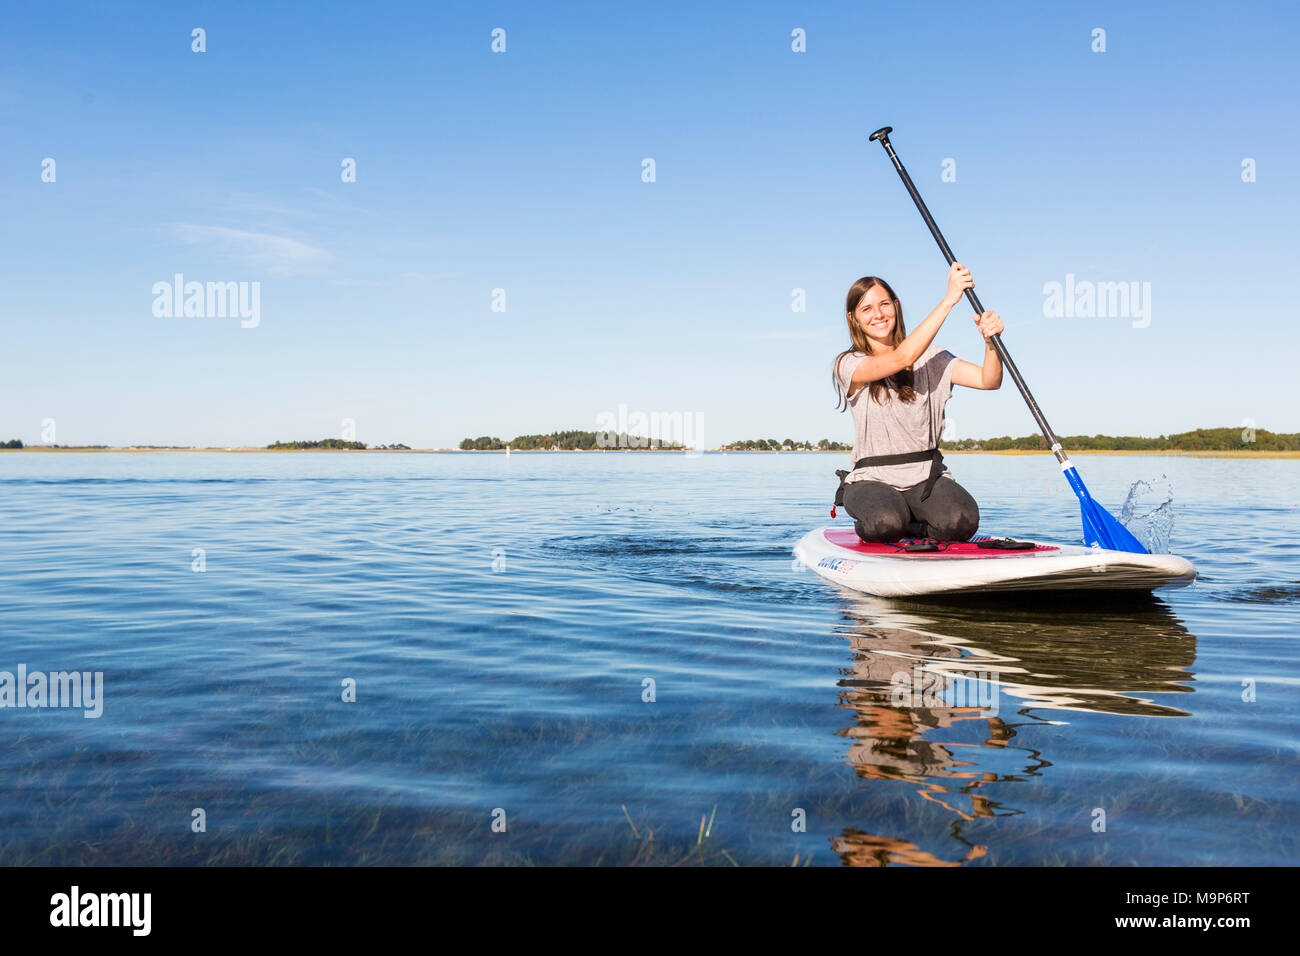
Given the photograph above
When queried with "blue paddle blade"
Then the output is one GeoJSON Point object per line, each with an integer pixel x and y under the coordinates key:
{"type": "Point", "coordinates": [1100, 528]}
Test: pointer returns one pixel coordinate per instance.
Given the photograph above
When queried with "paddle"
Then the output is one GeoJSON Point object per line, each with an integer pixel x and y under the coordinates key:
{"type": "Point", "coordinates": [1100, 529]}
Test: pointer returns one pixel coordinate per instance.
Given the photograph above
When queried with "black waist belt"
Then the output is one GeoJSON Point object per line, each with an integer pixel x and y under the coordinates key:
{"type": "Point", "coordinates": [931, 455]}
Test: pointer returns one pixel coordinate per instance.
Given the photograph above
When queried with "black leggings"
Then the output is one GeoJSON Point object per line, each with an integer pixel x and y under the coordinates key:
{"type": "Point", "coordinates": [884, 514]}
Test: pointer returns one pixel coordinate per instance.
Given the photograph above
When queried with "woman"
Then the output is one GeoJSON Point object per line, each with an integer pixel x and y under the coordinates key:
{"type": "Point", "coordinates": [897, 385]}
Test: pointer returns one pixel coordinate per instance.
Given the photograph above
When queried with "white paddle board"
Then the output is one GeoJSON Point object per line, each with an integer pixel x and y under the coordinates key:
{"type": "Point", "coordinates": [886, 570]}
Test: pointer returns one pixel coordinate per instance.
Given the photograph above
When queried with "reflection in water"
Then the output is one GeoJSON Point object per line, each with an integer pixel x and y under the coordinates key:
{"type": "Point", "coordinates": [862, 849]}
{"type": "Point", "coordinates": [930, 686]}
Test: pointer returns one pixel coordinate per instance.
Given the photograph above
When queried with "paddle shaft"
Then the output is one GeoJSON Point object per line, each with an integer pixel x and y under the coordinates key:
{"type": "Point", "coordinates": [994, 340]}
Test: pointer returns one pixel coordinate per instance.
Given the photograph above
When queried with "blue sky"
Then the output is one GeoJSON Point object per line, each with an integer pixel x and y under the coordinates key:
{"type": "Point", "coordinates": [522, 171]}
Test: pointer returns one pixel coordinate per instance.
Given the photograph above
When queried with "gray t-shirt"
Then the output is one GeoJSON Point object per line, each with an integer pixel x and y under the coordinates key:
{"type": "Point", "coordinates": [894, 427]}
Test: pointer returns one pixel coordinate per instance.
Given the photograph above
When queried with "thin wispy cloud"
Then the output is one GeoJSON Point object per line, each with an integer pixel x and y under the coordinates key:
{"type": "Point", "coordinates": [276, 254]}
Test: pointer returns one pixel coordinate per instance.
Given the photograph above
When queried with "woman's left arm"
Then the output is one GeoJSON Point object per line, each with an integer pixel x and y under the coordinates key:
{"type": "Point", "coordinates": [989, 376]}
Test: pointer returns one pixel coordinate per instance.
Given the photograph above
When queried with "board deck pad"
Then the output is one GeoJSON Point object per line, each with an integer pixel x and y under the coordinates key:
{"type": "Point", "coordinates": [849, 541]}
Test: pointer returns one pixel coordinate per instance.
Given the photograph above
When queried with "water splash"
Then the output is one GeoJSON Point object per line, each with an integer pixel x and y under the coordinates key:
{"type": "Point", "coordinates": [1153, 526]}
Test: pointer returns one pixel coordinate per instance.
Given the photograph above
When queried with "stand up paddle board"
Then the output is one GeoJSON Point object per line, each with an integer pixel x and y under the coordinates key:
{"type": "Point", "coordinates": [983, 565]}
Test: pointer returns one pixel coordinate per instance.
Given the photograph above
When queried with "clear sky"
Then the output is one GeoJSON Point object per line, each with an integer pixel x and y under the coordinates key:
{"type": "Point", "coordinates": [522, 171]}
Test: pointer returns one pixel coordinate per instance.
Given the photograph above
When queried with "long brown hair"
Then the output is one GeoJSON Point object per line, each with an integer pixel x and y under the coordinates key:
{"type": "Point", "coordinates": [900, 382]}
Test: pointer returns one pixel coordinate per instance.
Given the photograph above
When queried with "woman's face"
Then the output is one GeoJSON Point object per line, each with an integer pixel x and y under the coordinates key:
{"type": "Point", "coordinates": [875, 315]}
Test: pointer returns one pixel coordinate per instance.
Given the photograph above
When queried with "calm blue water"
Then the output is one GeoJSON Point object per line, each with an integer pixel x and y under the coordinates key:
{"type": "Point", "coordinates": [501, 616]}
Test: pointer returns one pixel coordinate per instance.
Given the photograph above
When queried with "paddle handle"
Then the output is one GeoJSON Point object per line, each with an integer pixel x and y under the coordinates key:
{"type": "Point", "coordinates": [882, 135]}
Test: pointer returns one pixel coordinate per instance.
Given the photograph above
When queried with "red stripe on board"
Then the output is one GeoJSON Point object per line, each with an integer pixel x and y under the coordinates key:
{"type": "Point", "coordinates": [848, 539]}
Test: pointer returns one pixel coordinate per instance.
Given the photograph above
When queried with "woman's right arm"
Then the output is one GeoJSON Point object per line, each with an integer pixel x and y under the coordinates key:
{"type": "Point", "coordinates": [875, 367]}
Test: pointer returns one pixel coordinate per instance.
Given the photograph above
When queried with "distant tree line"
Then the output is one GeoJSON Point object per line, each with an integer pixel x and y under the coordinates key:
{"type": "Point", "coordinates": [1203, 439]}
{"type": "Point", "coordinates": [482, 444]}
{"type": "Point", "coordinates": [771, 444]}
{"type": "Point", "coordinates": [331, 443]}
{"type": "Point", "coordinates": [567, 441]}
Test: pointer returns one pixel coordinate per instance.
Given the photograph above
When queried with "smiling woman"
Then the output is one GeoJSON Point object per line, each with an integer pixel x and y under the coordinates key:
{"type": "Point", "coordinates": [896, 385]}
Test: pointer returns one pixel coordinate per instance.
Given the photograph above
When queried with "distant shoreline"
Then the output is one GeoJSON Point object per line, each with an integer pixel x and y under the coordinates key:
{"type": "Point", "coordinates": [633, 451]}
